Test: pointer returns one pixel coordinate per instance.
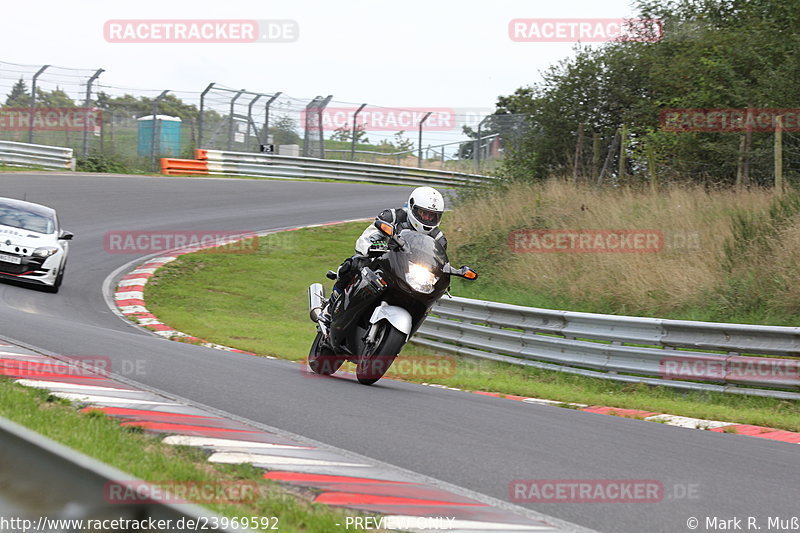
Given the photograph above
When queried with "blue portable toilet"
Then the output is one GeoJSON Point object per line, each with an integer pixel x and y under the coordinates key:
{"type": "Point", "coordinates": [170, 135]}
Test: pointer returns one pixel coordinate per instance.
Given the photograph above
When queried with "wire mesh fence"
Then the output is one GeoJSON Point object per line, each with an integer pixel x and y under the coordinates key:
{"type": "Point", "coordinates": [119, 128]}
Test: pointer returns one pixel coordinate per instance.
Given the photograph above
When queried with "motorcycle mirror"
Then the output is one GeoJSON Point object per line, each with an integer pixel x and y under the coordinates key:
{"type": "Point", "coordinates": [384, 227]}
{"type": "Point", "coordinates": [469, 273]}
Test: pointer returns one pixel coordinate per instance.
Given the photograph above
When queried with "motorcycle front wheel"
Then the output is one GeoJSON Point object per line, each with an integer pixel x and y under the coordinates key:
{"type": "Point", "coordinates": [321, 359]}
{"type": "Point", "coordinates": [373, 364]}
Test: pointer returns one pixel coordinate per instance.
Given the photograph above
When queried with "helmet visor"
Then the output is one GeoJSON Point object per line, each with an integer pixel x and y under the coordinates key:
{"type": "Point", "coordinates": [426, 216]}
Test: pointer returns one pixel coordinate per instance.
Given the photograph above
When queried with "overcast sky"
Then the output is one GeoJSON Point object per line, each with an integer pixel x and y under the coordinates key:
{"type": "Point", "coordinates": [408, 53]}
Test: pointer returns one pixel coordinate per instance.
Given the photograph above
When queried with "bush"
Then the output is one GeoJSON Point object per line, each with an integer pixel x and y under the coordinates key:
{"type": "Point", "coordinates": [102, 163]}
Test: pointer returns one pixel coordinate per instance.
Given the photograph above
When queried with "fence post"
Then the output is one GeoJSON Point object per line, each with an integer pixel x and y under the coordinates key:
{"type": "Point", "coordinates": [200, 115]}
{"type": "Point", "coordinates": [250, 120]}
{"type": "Point", "coordinates": [230, 117]}
{"type": "Point", "coordinates": [623, 141]}
{"type": "Point", "coordinates": [265, 135]}
{"type": "Point", "coordinates": [353, 140]}
{"type": "Point", "coordinates": [86, 104]}
{"type": "Point", "coordinates": [578, 151]}
{"type": "Point", "coordinates": [314, 112]}
{"type": "Point", "coordinates": [320, 109]}
{"type": "Point", "coordinates": [153, 131]}
{"type": "Point", "coordinates": [595, 155]}
{"type": "Point", "coordinates": [33, 101]}
{"type": "Point", "coordinates": [651, 165]}
{"type": "Point", "coordinates": [421, 122]}
{"type": "Point", "coordinates": [779, 155]}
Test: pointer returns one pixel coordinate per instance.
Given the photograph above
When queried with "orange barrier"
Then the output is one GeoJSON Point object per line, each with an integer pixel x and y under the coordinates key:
{"type": "Point", "coordinates": [179, 167]}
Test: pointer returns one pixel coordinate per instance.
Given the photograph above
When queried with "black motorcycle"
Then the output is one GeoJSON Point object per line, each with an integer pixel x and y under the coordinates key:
{"type": "Point", "coordinates": [383, 306]}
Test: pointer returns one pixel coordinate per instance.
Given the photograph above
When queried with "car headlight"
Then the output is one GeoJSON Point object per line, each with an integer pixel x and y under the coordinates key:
{"type": "Point", "coordinates": [45, 251]}
{"type": "Point", "coordinates": [421, 279]}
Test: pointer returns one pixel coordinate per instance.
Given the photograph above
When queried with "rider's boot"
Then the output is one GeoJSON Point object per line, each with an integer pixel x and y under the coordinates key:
{"type": "Point", "coordinates": [325, 314]}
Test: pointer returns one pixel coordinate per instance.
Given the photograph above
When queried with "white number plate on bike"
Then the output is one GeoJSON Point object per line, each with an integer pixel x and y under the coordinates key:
{"type": "Point", "coordinates": [10, 259]}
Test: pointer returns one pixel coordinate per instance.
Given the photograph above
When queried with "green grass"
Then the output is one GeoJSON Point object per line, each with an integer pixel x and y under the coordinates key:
{"type": "Point", "coordinates": [257, 302]}
{"type": "Point", "coordinates": [144, 456]}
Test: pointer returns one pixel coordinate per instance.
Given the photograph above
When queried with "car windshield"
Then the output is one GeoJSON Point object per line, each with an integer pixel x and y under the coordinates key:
{"type": "Point", "coordinates": [27, 220]}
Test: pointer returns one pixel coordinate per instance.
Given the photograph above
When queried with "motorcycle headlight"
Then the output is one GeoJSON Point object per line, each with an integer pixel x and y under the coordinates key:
{"type": "Point", "coordinates": [45, 251]}
{"type": "Point", "coordinates": [421, 279]}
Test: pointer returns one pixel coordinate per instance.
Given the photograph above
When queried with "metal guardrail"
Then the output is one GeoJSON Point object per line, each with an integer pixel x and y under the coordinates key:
{"type": "Point", "coordinates": [42, 479]}
{"type": "Point", "coordinates": [218, 162]}
{"type": "Point", "coordinates": [673, 353]}
{"type": "Point", "coordinates": [36, 155]}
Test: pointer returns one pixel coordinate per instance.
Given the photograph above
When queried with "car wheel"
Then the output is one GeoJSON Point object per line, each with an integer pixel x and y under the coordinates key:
{"type": "Point", "coordinates": [59, 278]}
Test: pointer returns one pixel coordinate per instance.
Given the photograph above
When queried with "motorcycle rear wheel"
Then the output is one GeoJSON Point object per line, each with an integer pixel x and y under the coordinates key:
{"type": "Point", "coordinates": [321, 359]}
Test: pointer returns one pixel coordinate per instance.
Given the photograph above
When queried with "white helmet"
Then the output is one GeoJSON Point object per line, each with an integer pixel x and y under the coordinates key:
{"type": "Point", "coordinates": [425, 208]}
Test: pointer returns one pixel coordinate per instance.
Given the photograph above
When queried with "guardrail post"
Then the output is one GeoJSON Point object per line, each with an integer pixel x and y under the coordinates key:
{"type": "Point", "coordinates": [33, 101]}
{"type": "Point", "coordinates": [153, 131]}
{"type": "Point", "coordinates": [230, 125]}
{"type": "Point", "coordinates": [421, 122]}
{"type": "Point", "coordinates": [86, 104]}
{"type": "Point", "coordinates": [200, 115]}
{"type": "Point", "coordinates": [355, 129]}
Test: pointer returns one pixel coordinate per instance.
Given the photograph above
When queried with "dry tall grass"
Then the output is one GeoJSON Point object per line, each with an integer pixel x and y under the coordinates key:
{"type": "Point", "coordinates": [695, 224]}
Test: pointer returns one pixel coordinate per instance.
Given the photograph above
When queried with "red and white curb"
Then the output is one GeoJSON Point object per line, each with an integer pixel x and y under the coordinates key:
{"type": "Point", "coordinates": [333, 478]}
{"type": "Point", "coordinates": [650, 416]}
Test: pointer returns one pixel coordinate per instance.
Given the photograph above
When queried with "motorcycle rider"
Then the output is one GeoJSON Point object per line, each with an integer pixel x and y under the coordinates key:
{"type": "Point", "coordinates": [422, 213]}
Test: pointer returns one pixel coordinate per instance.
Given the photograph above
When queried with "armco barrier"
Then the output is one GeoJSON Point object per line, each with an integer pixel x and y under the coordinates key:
{"type": "Point", "coordinates": [621, 348]}
{"type": "Point", "coordinates": [36, 155]}
{"type": "Point", "coordinates": [218, 162]}
{"type": "Point", "coordinates": [67, 485]}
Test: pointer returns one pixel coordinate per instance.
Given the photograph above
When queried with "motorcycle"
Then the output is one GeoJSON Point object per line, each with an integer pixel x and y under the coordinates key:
{"type": "Point", "coordinates": [384, 304]}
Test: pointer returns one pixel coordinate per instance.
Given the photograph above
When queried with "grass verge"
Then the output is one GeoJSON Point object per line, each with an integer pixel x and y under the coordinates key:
{"type": "Point", "coordinates": [257, 302]}
{"type": "Point", "coordinates": [145, 456]}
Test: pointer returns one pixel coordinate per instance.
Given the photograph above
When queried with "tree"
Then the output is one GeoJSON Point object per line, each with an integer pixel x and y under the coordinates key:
{"type": "Point", "coordinates": [344, 133]}
{"type": "Point", "coordinates": [714, 54]}
{"type": "Point", "coordinates": [284, 131]}
{"type": "Point", "coordinates": [19, 95]}
{"type": "Point", "coordinates": [55, 98]}
{"type": "Point", "coordinates": [400, 143]}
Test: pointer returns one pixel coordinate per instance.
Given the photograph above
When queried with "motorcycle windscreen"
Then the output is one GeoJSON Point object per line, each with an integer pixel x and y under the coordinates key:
{"type": "Point", "coordinates": [423, 250]}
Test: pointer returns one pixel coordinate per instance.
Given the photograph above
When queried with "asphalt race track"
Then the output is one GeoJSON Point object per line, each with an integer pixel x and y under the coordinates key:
{"type": "Point", "coordinates": [476, 442]}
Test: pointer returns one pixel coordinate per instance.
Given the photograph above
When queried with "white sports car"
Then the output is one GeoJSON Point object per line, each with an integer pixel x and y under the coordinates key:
{"type": "Point", "coordinates": [33, 247]}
